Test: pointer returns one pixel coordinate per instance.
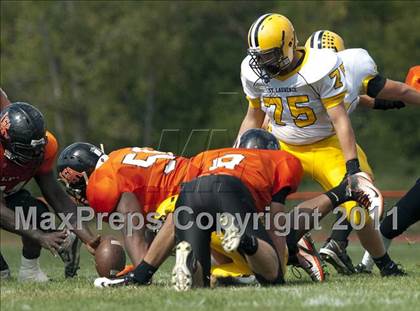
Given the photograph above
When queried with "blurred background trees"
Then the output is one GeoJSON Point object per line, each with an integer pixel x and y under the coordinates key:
{"type": "Point", "coordinates": [121, 72]}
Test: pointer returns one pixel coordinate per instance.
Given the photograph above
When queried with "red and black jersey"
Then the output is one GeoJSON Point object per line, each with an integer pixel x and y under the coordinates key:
{"type": "Point", "coordinates": [13, 176]}
{"type": "Point", "coordinates": [264, 172]}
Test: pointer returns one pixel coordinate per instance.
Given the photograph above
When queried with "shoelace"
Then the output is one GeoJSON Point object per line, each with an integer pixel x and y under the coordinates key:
{"type": "Point", "coordinates": [362, 198]}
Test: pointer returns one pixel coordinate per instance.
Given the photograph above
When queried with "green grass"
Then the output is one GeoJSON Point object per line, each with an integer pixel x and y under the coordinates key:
{"type": "Point", "coordinates": [344, 293]}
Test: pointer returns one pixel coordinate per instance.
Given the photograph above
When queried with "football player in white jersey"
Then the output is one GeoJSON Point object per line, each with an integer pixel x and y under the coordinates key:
{"type": "Point", "coordinates": [302, 91]}
{"type": "Point", "coordinates": [365, 86]}
{"type": "Point", "coordinates": [364, 81]}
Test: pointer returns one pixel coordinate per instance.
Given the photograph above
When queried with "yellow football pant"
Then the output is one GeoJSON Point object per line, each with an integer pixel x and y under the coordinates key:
{"type": "Point", "coordinates": [238, 266]}
{"type": "Point", "coordinates": [324, 162]}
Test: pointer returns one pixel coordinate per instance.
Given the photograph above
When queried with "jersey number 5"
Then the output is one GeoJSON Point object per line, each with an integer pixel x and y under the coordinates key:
{"type": "Point", "coordinates": [302, 115]}
{"type": "Point", "coordinates": [149, 160]}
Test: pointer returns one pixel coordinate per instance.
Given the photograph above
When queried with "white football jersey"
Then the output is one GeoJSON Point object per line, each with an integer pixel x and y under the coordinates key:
{"type": "Point", "coordinates": [297, 103]}
{"type": "Point", "coordinates": [360, 68]}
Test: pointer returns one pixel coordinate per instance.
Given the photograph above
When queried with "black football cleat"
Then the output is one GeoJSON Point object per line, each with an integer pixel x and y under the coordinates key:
{"type": "Point", "coordinates": [70, 254]}
{"type": "Point", "coordinates": [393, 269]}
{"type": "Point", "coordinates": [309, 259]}
{"type": "Point", "coordinates": [337, 256]}
{"type": "Point", "coordinates": [362, 269]}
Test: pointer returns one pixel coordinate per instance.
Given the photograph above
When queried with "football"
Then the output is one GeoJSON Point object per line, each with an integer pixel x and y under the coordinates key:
{"type": "Point", "coordinates": [109, 257]}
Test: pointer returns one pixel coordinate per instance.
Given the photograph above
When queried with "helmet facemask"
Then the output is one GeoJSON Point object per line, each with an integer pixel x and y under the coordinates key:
{"type": "Point", "coordinates": [22, 154]}
{"type": "Point", "coordinates": [269, 63]}
{"type": "Point", "coordinates": [75, 184]}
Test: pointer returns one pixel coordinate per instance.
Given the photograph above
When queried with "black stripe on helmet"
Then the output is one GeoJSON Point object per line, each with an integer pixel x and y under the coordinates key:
{"type": "Point", "coordinates": [257, 26]}
{"type": "Point", "coordinates": [320, 39]}
{"type": "Point", "coordinates": [311, 44]}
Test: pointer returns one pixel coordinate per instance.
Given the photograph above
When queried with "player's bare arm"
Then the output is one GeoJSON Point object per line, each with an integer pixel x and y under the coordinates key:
{"type": "Point", "coordinates": [254, 118]}
{"type": "Point", "coordinates": [367, 101]}
{"type": "Point", "coordinates": [162, 244]}
{"type": "Point", "coordinates": [134, 240]}
{"type": "Point", "coordinates": [279, 240]}
{"type": "Point", "coordinates": [61, 203]}
{"type": "Point", "coordinates": [395, 90]}
{"type": "Point", "coordinates": [51, 241]}
{"type": "Point", "coordinates": [344, 130]}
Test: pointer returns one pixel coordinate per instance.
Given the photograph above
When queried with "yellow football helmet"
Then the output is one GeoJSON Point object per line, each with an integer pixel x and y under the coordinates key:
{"type": "Point", "coordinates": [325, 39]}
{"type": "Point", "coordinates": [272, 44]}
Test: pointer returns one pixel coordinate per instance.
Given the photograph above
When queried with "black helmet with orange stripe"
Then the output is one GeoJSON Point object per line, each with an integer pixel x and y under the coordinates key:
{"type": "Point", "coordinates": [74, 166]}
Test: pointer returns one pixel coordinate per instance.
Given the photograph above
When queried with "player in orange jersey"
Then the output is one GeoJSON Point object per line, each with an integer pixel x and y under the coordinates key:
{"type": "Point", "coordinates": [413, 77]}
{"type": "Point", "coordinates": [243, 182]}
{"type": "Point", "coordinates": [304, 254]}
{"type": "Point", "coordinates": [28, 151]}
{"type": "Point", "coordinates": [127, 181]}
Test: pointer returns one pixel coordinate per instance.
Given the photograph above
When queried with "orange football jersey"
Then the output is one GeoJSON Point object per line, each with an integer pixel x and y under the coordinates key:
{"type": "Point", "coordinates": [263, 172]}
{"type": "Point", "coordinates": [413, 77]}
{"type": "Point", "coordinates": [151, 175]}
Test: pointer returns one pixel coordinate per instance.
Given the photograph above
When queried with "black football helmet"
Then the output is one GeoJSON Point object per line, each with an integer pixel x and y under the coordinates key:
{"type": "Point", "coordinates": [258, 139]}
{"type": "Point", "coordinates": [22, 133]}
{"type": "Point", "coordinates": [74, 166]}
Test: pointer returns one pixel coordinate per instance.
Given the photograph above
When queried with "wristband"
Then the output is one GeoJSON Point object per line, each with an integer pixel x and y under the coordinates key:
{"type": "Point", "coordinates": [352, 167]}
{"type": "Point", "coordinates": [144, 272]}
{"type": "Point", "coordinates": [383, 104]}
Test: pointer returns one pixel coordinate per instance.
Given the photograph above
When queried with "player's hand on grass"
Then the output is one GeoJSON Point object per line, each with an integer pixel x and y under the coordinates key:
{"type": "Point", "coordinates": [92, 245]}
{"type": "Point", "coordinates": [127, 269]}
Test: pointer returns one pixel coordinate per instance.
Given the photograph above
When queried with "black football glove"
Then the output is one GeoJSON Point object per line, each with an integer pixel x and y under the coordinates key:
{"type": "Point", "coordinates": [384, 104]}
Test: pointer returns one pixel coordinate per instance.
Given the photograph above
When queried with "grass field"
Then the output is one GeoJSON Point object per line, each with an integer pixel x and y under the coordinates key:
{"type": "Point", "coordinates": [344, 293]}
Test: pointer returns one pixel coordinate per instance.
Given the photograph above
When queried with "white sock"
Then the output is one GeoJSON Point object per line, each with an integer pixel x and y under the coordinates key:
{"type": "Point", "coordinates": [367, 260]}
{"type": "Point", "coordinates": [29, 263]}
